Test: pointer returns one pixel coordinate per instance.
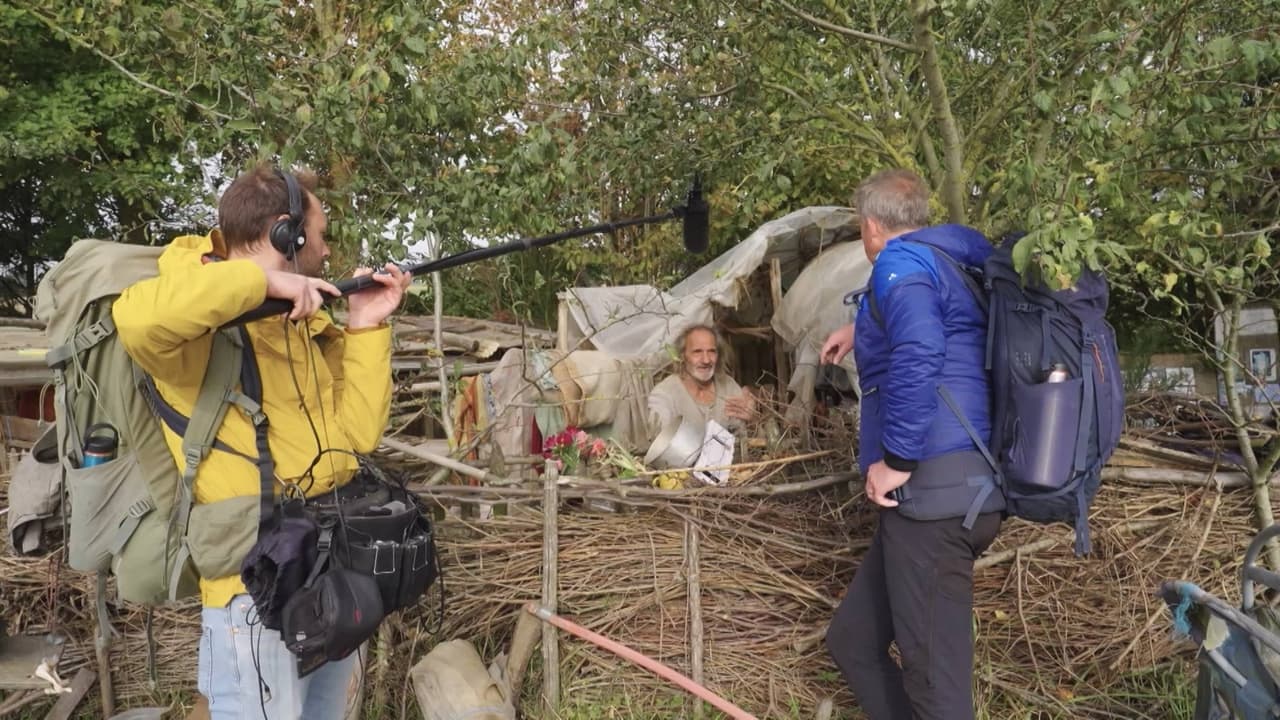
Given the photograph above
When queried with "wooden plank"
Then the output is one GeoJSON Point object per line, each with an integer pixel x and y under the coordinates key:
{"type": "Point", "coordinates": [454, 370]}
{"type": "Point", "coordinates": [562, 326]}
{"type": "Point", "coordinates": [442, 461]}
{"type": "Point", "coordinates": [694, 589]}
{"type": "Point", "coordinates": [67, 702]}
{"type": "Point", "coordinates": [18, 700]}
{"type": "Point", "coordinates": [550, 588]}
{"type": "Point", "coordinates": [523, 642]}
{"type": "Point", "coordinates": [779, 348]}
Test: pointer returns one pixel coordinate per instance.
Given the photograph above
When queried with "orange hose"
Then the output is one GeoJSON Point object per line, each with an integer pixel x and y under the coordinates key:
{"type": "Point", "coordinates": [643, 661]}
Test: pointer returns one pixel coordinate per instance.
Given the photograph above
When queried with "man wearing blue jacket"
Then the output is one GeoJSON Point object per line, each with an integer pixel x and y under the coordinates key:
{"type": "Point", "coordinates": [919, 346]}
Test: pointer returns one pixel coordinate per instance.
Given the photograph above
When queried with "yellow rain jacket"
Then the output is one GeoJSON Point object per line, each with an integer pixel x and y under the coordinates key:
{"type": "Point", "coordinates": [341, 378]}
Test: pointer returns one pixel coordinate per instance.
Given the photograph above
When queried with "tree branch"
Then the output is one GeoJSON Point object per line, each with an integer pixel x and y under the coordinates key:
{"type": "Point", "coordinates": [847, 32]}
{"type": "Point", "coordinates": [122, 69]}
{"type": "Point", "coordinates": [866, 133]}
{"type": "Point", "coordinates": [890, 78]}
{"type": "Point", "coordinates": [1261, 489]}
{"type": "Point", "coordinates": [953, 188]}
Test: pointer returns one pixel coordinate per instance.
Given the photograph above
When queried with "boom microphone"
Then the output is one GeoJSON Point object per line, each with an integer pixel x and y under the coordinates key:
{"type": "Point", "coordinates": [695, 219]}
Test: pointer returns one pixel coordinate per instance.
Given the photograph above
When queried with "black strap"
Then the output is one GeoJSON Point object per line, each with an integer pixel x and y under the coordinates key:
{"type": "Point", "coordinates": [324, 546]}
{"type": "Point", "coordinates": [251, 386]}
{"type": "Point", "coordinates": [973, 433]}
{"type": "Point", "coordinates": [968, 274]}
{"type": "Point", "coordinates": [176, 421]}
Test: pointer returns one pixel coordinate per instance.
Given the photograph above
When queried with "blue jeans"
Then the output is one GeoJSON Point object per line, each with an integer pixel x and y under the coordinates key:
{"type": "Point", "coordinates": [247, 673]}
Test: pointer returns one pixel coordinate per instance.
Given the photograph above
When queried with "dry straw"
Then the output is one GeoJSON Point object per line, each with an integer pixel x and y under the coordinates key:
{"type": "Point", "coordinates": [1056, 636]}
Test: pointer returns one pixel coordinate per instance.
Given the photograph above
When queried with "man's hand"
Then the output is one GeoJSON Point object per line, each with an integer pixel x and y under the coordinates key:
{"type": "Point", "coordinates": [838, 344]}
{"type": "Point", "coordinates": [742, 407]}
{"type": "Point", "coordinates": [304, 292]}
{"type": "Point", "coordinates": [370, 308]}
{"type": "Point", "coordinates": [882, 480]}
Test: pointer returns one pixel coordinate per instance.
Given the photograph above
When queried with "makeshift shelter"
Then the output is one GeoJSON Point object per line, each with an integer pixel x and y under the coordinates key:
{"type": "Point", "coordinates": [775, 296]}
{"type": "Point", "coordinates": [26, 394]}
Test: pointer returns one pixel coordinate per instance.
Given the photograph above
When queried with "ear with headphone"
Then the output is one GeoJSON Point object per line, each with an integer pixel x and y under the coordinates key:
{"type": "Point", "coordinates": [287, 235]}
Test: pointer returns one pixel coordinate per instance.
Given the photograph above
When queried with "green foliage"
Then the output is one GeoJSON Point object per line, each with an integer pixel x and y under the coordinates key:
{"type": "Point", "coordinates": [1167, 154]}
{"type": "Point", "coordinates": [1132, 135]}
{"type": "Point", "coordinates": [83, 151]}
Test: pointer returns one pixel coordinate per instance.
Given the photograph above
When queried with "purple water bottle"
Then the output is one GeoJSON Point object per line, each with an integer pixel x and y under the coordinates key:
{"type": "Point", "coordinates": [1047, 441]}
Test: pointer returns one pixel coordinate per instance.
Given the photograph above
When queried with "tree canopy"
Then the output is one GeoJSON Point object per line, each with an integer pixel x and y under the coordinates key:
{"type": "Point", "coordinates": [1131, 134]}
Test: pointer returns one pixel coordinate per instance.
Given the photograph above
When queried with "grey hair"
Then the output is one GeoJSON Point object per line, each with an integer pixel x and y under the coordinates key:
{"type": "Point", "coordinates": [897, 199]}
{"type": "Point", "coordinates": [682, 340]}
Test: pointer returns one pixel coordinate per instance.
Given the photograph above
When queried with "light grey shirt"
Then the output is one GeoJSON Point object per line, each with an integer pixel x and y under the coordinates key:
{"type": "Point", "coordinates": [670, 398]}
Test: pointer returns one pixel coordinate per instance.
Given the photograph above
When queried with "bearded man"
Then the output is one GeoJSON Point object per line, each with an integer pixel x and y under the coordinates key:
{"type": "Point", "coordinates": [700, 389]}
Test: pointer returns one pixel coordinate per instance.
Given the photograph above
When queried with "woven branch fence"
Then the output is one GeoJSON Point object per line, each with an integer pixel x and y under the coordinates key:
{"type": "Point", "coordinates": [1061, 636]}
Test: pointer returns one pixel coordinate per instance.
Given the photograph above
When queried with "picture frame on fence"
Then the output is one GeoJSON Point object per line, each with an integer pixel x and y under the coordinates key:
{"type": "Point", "coordinates": [1262, 364]}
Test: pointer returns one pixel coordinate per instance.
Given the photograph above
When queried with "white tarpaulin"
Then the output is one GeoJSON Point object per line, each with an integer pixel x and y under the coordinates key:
{"type": "Point", "coordinates": [811, 309]}
{"type": "Point", "coordinates": [639, 321]}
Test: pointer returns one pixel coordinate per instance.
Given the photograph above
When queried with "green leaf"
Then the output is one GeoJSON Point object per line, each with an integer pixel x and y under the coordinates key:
{"type": "Point", "coordinates": [1221, 48]}
{"type": "Point", "coordinates": [416, 44]}
{"type": "Point", "coordinates": [1042, 101]}
{"type": "Point", "coordinates": [1022, 254]}
{"type": "Point", "coordinates": [1261, 247]}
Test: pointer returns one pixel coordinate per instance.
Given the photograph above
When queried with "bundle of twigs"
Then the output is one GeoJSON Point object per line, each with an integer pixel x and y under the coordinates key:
{"type": "Point", "coordinates": [768, 572]}
{"type": "Point", "coordinates": [1061, 634]}
{"type": "Point", "coordinates": [1191, 424]}
{"type": "Point", "coordinates": [1056, 635]}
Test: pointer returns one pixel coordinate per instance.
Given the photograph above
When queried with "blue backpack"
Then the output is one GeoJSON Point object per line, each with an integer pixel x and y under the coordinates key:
{"type": "Point", "coordinates": [1050, 437]}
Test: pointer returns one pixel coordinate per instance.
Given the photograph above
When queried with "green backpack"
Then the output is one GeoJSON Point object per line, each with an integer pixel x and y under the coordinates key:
{"type": "Point", "coordinates": [129, 516]}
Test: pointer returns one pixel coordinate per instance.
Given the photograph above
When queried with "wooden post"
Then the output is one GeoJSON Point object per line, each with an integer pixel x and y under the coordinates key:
{"type": "Point", "coordinates": [562, 326]}
{"type": "Point", "coordinates": [779, 349]}
{"type": "Point", "coordinates": [102, 651]}
{"type": "Point", "coordinates": [550, 559]}
{"type": "Point", "coordinates": [694, 591]}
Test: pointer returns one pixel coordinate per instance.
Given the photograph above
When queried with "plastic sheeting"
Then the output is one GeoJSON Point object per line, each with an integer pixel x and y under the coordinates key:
{"type": "Point", "coordinates": [811, 309]}
{"type": "Point", "coordinates": [639, 321]}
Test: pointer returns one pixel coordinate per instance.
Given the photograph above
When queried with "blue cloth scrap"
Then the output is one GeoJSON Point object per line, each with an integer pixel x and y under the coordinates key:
{"type": "Point", "coordinates": [1182, 623]}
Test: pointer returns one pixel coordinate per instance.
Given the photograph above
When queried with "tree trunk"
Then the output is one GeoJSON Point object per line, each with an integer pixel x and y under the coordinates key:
{"type": "Point", "coordinates": [1230, 363]}
{"type": "Point", "coordinates": [953, 184]}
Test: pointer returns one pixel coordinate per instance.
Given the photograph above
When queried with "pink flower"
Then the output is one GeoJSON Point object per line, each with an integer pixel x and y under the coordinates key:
{"type": "Point", "coordinates": [581, 439]}
{"type": "Point", "coordinates": [597, 448]}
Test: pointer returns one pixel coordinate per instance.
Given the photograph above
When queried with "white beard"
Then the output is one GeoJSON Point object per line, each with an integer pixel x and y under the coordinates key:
{"type": "Point", "coordinates": [701, 374]}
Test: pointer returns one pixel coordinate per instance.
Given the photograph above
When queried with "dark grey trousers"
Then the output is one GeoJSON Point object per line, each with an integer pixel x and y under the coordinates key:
{"type": "Point", "coordinates": [915, 586]}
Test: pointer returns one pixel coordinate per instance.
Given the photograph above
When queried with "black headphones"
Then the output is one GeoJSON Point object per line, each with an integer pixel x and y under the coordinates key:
{"type": "Point", "coordinates": [287, 235]}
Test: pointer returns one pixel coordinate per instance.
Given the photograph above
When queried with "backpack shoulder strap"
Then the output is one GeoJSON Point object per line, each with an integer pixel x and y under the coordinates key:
{"type": "Point", "coordinates": [966, 273]}
{"type": "Point", "coordinates": [198, 433]}
{"type": "Point", "coordinates": [230, 359]}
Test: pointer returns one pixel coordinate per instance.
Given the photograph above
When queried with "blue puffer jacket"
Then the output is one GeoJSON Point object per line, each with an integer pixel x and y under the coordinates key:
{"type": "Point", "coordinates": [934, 333]}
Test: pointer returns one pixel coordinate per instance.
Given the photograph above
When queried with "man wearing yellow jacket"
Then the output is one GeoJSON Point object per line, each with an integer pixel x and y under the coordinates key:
{"type": "Point", "coordinates": [325, 389]}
